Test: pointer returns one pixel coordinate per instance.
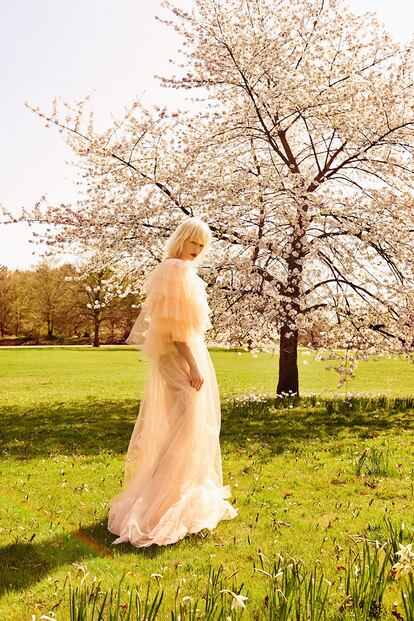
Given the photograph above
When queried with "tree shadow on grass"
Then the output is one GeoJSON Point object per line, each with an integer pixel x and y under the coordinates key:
{"type": "Point", "coordinates": [90, 428]}
{"type": "Point", "coordinates": [85, 428]}
{"type": "Point", "coordinates": [288, 424]}
{"type": "Point", "coordinates": [24, 563]}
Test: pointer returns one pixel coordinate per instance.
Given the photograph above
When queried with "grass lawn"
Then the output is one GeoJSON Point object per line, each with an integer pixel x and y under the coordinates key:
{"type": "Point", "coordinates": [308, 478]}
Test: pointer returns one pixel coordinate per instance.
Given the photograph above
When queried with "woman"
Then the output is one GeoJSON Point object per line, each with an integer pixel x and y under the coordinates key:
{"type": "Point", "coordinates": [173, 483]}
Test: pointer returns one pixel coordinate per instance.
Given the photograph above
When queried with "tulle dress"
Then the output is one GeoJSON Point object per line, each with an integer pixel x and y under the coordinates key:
{"type": "Point", "coordinates": [173, 481]}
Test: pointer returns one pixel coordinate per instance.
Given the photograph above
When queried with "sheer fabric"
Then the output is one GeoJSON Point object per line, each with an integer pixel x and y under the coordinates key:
{"type": "Point", "coordinates": [173, 482]}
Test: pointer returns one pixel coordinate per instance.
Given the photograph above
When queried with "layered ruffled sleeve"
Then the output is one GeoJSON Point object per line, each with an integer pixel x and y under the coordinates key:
{"type": "Point", "coordinates": [175, 308]}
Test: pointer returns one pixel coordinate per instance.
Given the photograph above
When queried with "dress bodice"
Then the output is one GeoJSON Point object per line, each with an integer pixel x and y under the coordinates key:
{"type": "Point", "coordinates": [175, 309]}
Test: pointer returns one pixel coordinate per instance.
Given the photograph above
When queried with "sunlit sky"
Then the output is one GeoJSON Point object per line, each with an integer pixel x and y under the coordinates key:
{"type": "Point", "coordinates": [71, 48]}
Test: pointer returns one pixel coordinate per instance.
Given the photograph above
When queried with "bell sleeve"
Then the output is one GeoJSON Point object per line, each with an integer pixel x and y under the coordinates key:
{"type": "Point", "coordinates": [176, 306]}
{"type": "Point", "coordinates": [139, 330]}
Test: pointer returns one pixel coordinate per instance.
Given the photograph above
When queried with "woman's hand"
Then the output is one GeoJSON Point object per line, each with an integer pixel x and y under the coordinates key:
{"type": "Point", "coordinates": [196, 379]}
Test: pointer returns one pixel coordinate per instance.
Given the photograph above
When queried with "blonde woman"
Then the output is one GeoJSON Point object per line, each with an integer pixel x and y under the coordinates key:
{"type": "Point", "coordinates": [173, 482]}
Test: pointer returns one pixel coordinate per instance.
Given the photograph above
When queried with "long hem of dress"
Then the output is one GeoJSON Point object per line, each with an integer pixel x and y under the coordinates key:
{"type": "Point", "coordinates": [175, 525]}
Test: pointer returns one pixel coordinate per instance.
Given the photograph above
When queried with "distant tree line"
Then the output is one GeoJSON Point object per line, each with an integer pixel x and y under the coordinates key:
{"type": "Point", "coordinates": [63, 304]}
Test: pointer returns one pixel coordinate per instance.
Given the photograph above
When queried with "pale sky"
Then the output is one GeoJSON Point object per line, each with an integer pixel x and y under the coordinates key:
{"type": "Point", "coordinates": [110, 49]}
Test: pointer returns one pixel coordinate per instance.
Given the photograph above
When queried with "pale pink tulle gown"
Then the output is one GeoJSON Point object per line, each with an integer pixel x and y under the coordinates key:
{"type": "Point", "coordinates": [173, 482]}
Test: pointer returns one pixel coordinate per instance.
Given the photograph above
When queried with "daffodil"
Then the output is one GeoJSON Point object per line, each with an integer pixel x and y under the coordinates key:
{"type": "Point", "coordinates": [406, 563]}
{"type": "Point", "coordinates": [405, 553]}
{"type": "Point", "coordinates": [238, 601]}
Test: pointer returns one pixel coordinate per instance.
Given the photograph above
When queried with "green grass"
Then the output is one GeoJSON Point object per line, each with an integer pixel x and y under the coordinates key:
{"type": "Point", "coordinates": [72, 374]}
{"type": "Point", "coordinates": [306, 476]}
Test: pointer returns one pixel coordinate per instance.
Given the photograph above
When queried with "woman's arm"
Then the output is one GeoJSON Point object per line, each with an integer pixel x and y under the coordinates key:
{"type": "Point", "coordinates": [196, 379]}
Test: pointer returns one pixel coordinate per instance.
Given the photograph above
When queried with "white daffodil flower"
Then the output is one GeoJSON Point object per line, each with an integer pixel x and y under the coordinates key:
{"type": "Point", "coordinates": [238, 601]}
{"type": "Point", "coordinates": [405, 552]}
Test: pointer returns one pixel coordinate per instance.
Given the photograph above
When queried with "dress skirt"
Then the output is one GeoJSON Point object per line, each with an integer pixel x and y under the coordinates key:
{"type": "Point", "coordinates": [173, 482]}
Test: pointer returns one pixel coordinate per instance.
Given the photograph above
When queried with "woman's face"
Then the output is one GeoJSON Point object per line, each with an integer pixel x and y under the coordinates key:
{"type": "Point", "coordinates": [191, 249]}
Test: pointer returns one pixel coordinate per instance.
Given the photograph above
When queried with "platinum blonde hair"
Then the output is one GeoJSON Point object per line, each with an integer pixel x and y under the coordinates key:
{"type": "Point", "coordinates": [191, 228]}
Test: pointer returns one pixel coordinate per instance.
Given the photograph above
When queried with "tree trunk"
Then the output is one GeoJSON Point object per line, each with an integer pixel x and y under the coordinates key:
{"type": "Point", "coordinates": [288, 362]}
{"type": "Point", "coordinates": [288, 383]}
{"type": "Point", "coordinates": [96, 332]}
